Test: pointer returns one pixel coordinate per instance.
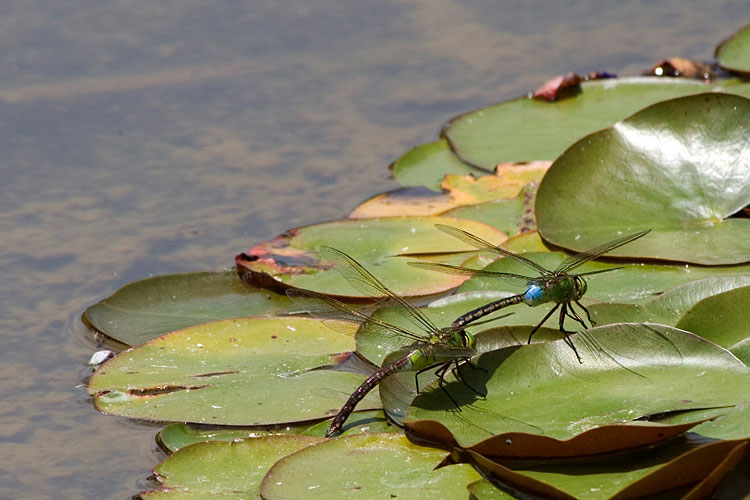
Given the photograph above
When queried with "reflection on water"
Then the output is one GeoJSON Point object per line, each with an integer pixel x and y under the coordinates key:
{"type": "Point", "coordinates": [145, 138]}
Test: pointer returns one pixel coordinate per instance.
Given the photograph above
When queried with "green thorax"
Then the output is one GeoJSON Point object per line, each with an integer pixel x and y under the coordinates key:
{"type": "Point", "coordinates": [564, 288]}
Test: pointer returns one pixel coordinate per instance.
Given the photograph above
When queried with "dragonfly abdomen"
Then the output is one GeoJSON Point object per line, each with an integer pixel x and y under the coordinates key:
{"type": "Point", "coordinates": [488, 308]}
{"type": "Point", "coordinates": [362, 391]}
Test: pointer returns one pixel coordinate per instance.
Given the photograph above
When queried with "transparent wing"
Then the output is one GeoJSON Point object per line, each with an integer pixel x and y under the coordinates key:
{"type": "Point", "coordinates": [576, 260]}
{"type": "Point", "coordinates": [515, 279]}
{"type": "Point", "coordinates": [361, 279]}
{"type": "Point", "coordinates": [327, 308]}
{"type": "Point", "coordinates": [481, 244]}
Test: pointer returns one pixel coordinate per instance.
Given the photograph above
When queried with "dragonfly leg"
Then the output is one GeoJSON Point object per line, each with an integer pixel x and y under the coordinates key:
{"type": "Point", "coordinates": [565, 332]}
{"type": "Point", "coordinates": [457, 373]}
{"type": "Point", "coordinates": [588, 315]}
{"type": "Point", "coordinates": [574, 315]}
{"type": "Point", "coordinates": [440, 372]}
{"type": "Point", "coordinates": [542, 322]}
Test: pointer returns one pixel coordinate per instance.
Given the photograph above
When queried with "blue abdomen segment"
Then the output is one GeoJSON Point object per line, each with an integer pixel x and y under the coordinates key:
{"type": "Point", "coordinates": [534, 296]}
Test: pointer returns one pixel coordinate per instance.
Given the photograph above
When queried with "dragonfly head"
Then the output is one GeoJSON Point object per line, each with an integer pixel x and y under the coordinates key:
{"type": "Point", "coordinates": [580, 287]}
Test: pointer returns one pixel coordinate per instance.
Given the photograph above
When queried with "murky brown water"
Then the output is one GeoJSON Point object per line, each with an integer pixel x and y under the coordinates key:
{"type": "Point", "coordinates": [141, 138]}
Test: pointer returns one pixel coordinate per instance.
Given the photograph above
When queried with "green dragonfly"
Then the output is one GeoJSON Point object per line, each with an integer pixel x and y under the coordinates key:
{"type": "Point", "coordinates": [559, 286]}
{"type": "Point", "coordinates": [439, 348]}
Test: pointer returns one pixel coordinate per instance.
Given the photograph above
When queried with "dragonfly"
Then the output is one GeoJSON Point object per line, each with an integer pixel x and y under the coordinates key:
{"type": "Point", "coordinates": [560, 286]}
{"type": "Point", "coordinates": [440, 348]}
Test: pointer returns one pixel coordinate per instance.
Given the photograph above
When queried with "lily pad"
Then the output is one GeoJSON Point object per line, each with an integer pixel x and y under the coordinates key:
{"type": "Point", "coordinates": [735, 424]}
{"type": "Point", "coordinates": [526, 129]}
{"type": "Point", "coordinates": [677, 467]}
{"type": "Point", "coordinates": [366, 466]}
{"type": "Point", "coordinates": [670, 306]}
{"type": "Point", "coordinates": [383, 246]}
{"type": "Point", "coordinates": [245, 371]}
{"type": "Point", "coordinates": [457, 191]}
{"type": "Point", "coordinates": [722, 318]}
{"type": "Point", "coordinates": [146, 309]}
{"type": "Point", "coordinates": [513, 216]}
{"type": "Point", "coordinates": [223, 469]}
{"type": "Point", "coordinates": [627, 371]}
{"type": "Point", "coordinates": [427, 164]}
{"type": "Point", "coordinates": [734, 53]}
{"type": "Point", "coordinates": [175, 436]}
{"type": "Point", "coordinates": [679, 167]}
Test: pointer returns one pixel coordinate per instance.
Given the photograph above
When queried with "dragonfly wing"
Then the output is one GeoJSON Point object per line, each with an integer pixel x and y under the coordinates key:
{"type": "Point", "coordinates": [481, 244]}
{"type": "Point", "coordinates": [576, 260]}
{"type": "Point", "coordinates": [327, 308]}
{"type": "Point", "coordinates": [364, 281]}
{"type": "Point", "coordinates": [516, 279]}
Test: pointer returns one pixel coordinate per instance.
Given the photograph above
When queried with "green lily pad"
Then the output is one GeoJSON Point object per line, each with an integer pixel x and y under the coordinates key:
{"type": "Point", "coordinates": [427, 164]}
{"type": "Point", "coordinates": [678, 167]}
{"type": "Point", "coordinates": [175, 436]}
{"type": "Point", "coordinates": [512, 216]}
{"type": "Point", "coordinates": [527, 129]}
{"type": "Point", "coordinates": [735, 424]}
{"type": "Point", "coordinates": [366, 466]}
{"type": "Point", "coordinates": [223, 469]}
{"type": "Point", "coordinates": [627, 371]}
{"type": "Point", "coordinates": [668, 308]}
{"type": "Point", "coordinates": [245, 371]}
{"type": "Point", "coordinates": [485, 490]}
{"type": "Point", "coordinates": [383, 246]}
{"type": "Point", "coordinates": [358, 422]}
{"type": "Point", "coordinates": [146, 309]}
{"type": "Point", "coordinates": [722, 318]}
{"type": "Point", "coordinates": [734, 53]}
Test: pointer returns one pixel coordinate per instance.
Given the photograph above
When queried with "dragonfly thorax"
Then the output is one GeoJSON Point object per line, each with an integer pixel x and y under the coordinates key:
{"type": "Point", "coordinates": [558, 289]}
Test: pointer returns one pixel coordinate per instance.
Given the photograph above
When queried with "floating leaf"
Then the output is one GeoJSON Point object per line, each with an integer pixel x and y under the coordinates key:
{"type": "Point", "coordinates": [627, 371]}
{"type": "Point", "coordinates": [145, 309]}
{"type": "Point", "coordinates": [526, 129]}
{"type": "Point", "coordinates": [668, 307]}
{"type": "Point", "coordinates": [366, 466]}
{"type": "Point", "coordinates": [223, 469]}
{"type": "Point", "coordinates": [383, 246]}
{"type": "Point", "coordinates": [735, 424]}
{"type": "Point", "coordinates": [245, 371]}
{"type": "Point", "coordinates": [458, 191]}
{"type": "Point", "coordinates": [733, 54]}
{"type": "Point", "coordinates": [175, 436]}
{"type": "Point", "coordinates": [679, 167]}
{"type": "Point", "coordinates": [723, 319]}
{"type": "Point", "coordinates": [427, 165]}
{"type": "Point", "coordinates": [638, 475]}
